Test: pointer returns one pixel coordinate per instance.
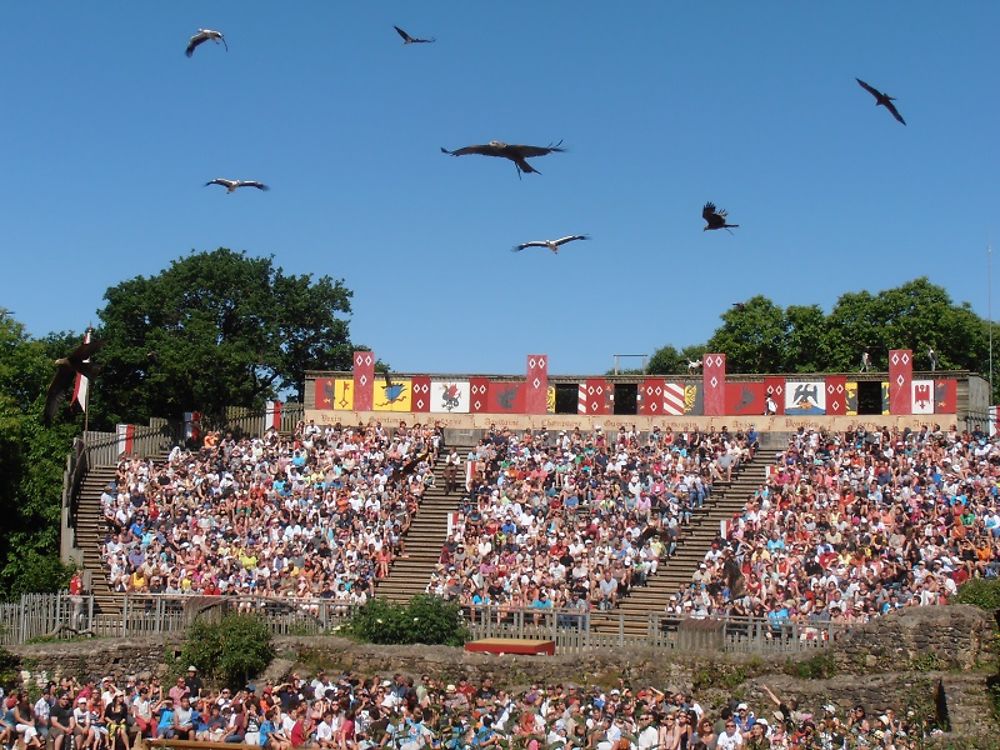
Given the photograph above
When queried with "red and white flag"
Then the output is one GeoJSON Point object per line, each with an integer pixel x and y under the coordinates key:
{"type": "Point", "coordinates": [192, 425]}
{"type": "Point", "coordinates": [81, 386]}
{"type": "Point", "coordinates": [272, 416]}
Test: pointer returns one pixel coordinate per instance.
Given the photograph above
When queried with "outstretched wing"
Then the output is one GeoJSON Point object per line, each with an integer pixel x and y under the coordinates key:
{"type": "Point", "coordinates": [571, 238]}
{"type": "Point", "coordinates": [194, 41]}
{"type": "Point", "coordinates": [527, 151]}
{"type": "Point", "coordinates": [406, 37]}
{"type": "Point", "coordinates": [711, 215]}
{"type": "Point", "coordinates": [533, 243]}
{"type": "Point", "coordinates": [219, 181]}
{"type": "Point", "coordinates": [253, 184]}
{"type": "Point", "coordinates": [895, 112]}
{"type": "Point", "coordinates": [61, 382]}
{"type": "Point", "coordinates": [483, 150]}
{"type": "Point", "coordinates": [870, 89]}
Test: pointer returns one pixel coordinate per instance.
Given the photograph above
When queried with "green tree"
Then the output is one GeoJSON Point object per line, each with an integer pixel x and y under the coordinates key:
{"type": "Point", "coordinates": [752, 337]}
{"type": "Point", "coordinates": [668, 361]}
{"type": "Point", "coordinates": [805, 347]}
{"type": "Point", "coordinates": [32, 459]}
{"type": "Point", "coordinates": [233, 650]}
{"type": "Point", "coordinates": [216, 329]}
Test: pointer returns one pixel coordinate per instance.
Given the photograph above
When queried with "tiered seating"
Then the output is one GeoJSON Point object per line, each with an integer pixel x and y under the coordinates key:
{"type": "Point", "coordinates": [850, 526]}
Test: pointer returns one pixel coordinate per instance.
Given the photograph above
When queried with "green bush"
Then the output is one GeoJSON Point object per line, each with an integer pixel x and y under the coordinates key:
{"type": "Point", "coordinates": [427, 619]}
{"type": "Point", "coordinates": [230, 651]}
{"type": "Point", "coordinates": [980, 592]}
{"type": "Point", "coordinates": [9, 673]}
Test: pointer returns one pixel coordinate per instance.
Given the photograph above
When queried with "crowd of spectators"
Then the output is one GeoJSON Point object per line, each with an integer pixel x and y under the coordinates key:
{"type": "Point", "coordinates": [853, 525]}
{"type": "Point", "coordinates": [348, 712]}
{"type": "Point", "coordinates": [575, 520]}
{"type": "Point", "coordinates": [320, 514]}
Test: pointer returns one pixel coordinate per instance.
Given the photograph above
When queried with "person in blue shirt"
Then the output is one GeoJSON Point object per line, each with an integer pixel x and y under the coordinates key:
{"type": "Point", "coordinates": [165, 725]}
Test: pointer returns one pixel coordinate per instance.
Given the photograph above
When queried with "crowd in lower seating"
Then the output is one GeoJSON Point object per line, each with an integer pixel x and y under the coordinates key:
{"type": "Point", "coordinates": [321, 514]}
{"type": "Point", "coordinates": [576, 520]}
{"type": "Point", "coordinates": [850, 526]}
{"type": "Point", "coordinates": [350, 712]}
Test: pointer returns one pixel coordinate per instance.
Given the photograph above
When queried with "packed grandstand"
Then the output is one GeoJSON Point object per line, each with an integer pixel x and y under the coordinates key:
{"type": "Point", "coordinates": [846, 526]}
{"type": "Point", "coordinates": [352, 712]}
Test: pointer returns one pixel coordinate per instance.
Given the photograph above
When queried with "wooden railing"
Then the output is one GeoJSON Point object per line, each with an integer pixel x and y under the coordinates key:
{"type": "Point", "coordinates": [62, 616]}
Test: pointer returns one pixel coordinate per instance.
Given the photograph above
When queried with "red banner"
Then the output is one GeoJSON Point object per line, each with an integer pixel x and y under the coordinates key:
{"type": "Point", "coordinates": [900, 379]}
{"type": "Point", "coordinates": [537, 385]}
{"type": "Point", "coordinates": [836, 395]}
{"type": "Point", "coordinates": [713, 377]}
{"type": "Point", "coordinates": [420, 390]}
{"type": "Point", "coordinates": [364, 380]}
{"type": "Point", "coordinates": [506, 397]}
{"type": "Point", "coordinates": [651, 397]}
{"type": "Point", "coordinates": [126, 437]}
{"type": "Point", "coordinates": [595, 397]}
{"type": "Point", "coordinates": [325, 393]}
{"type": "Point", "coordinates": [479, 389]}
{"type": "Point", "coordinates": [744, 398]}
{"type": "Point", "coordinates": [945, 396]}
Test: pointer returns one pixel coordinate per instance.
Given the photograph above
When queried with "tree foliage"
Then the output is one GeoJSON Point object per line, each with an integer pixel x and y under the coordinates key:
{"type": "Point", "coordinates": [762, 337]}
{"type": "Point", "coordinates": [426, 619]}
{"type": "Point", "coordinates": [231, 651]}
{"type": "Point", "coordinates": [216, 329]}
{"type": "Point", "coordinates": [32, 459]}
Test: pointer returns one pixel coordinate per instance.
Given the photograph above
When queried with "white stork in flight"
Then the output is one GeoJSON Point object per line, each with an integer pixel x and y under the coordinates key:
{"type": "Point", "coordinates": [694, 365]}
{"type": "Point", "coordinates": [202, 36]}
{"type": "Point", "coordinates": [552, 245]}
{"type": "Point", "coordinates": [231, 185]}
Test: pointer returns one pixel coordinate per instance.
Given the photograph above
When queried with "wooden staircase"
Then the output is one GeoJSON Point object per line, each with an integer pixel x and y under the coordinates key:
{"type": "Point", "coordinates": [694, 540]}
{"type": "Point", "coordinates": [410, 575]}
{"type": "Point", "coordinates": [91, 531]}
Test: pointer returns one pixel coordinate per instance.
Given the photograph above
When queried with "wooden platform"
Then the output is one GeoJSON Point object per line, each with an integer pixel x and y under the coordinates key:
{"type": "Point", "coordinates": [519, 646]}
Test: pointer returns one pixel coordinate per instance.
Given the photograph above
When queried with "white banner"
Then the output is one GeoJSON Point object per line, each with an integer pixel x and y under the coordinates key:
{"type": "Point", "coordinates": [923, 397]}
{"type": "Point", "coordinates": [450, 396]}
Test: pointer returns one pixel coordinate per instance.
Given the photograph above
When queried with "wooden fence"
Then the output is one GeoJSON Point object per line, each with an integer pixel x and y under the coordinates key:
{"type": "Point", "coordinates": [62, 616]}
{"type": "Point", "coordinates": [36, 616]}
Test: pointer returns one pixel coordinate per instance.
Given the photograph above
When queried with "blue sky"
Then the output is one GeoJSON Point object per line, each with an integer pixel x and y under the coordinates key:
{"type": "Point", "coordinates": [109, 132]}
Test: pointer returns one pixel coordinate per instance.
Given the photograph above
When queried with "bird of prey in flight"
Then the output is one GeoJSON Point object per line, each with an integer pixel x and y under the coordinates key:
{"type": "Point", "coordinates": [66, 371]}
{"type": "Point", "coordinates": [715, 219]}
{"type": "Point", "coordinates": [881, 99]}
{"type": "Point", "coordinates": [202, 36]}
{"type": "Point", "coordinates": [552, 245]}
{"type": "Point", "coordinates": [407, 39]}
{"type": "Point", "coordinates": [516, 153]}
{"type": "Point", "coordinates": [232, 185]}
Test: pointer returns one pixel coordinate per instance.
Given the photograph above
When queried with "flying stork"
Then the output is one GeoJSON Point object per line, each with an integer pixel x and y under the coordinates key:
{"type": "Point", "coordinates": [67, 368]}
{"type": "Point", "coordinates": [882, 99]}
{"type": "Point", "coordinates": [516, 153]}
{"type": "Point", "coordinates": [231, 185]}
{"type": "Point", "coordinates": [715, 219]}
{"type": "Point", "coordinates": [204, 35]}
{"type": "Point", "coordinates": [693, 365]}
{"type": "Point", "coordinates": [407, 39]}
{"type": "Point", "coordinates": [552, 245]}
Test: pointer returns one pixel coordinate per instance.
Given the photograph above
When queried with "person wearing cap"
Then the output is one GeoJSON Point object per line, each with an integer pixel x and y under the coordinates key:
{"type": "Point", "coordinates": [744, 718]}
{"type": "Point", "coordinates": [193, 682]}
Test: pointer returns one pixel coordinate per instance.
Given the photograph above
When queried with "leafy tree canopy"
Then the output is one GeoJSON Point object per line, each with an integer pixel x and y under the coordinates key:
{"type": "Point", "coordinates": [760, 336]}
{"type": "Point", "coordinates": [216, 329]}
{"type": "Point", "coordinates": [32, 459]}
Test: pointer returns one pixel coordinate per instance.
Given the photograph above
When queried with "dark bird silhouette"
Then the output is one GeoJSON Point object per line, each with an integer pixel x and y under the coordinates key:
{"type": "Point", "coordinates": [203, 36]}
{"type": "Point", "coordinates": [388, 379]}
{"type": "Point", "coordinates": [66, 370]}
{"type": "Point", "coordinates": [407, 39]}
{"type": "Point", "coordinates": [516, 153]}
{"type": "Point", "coordinates": [741, 306]}
{"type": "Point", "coordinates": [232, 185]}
{"type": "Point", "coordinates": [715, 219]}
{"type": "Point", "coordinates": [552, 245]}
{"type": "Point", "coordinates": [881, 99]}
